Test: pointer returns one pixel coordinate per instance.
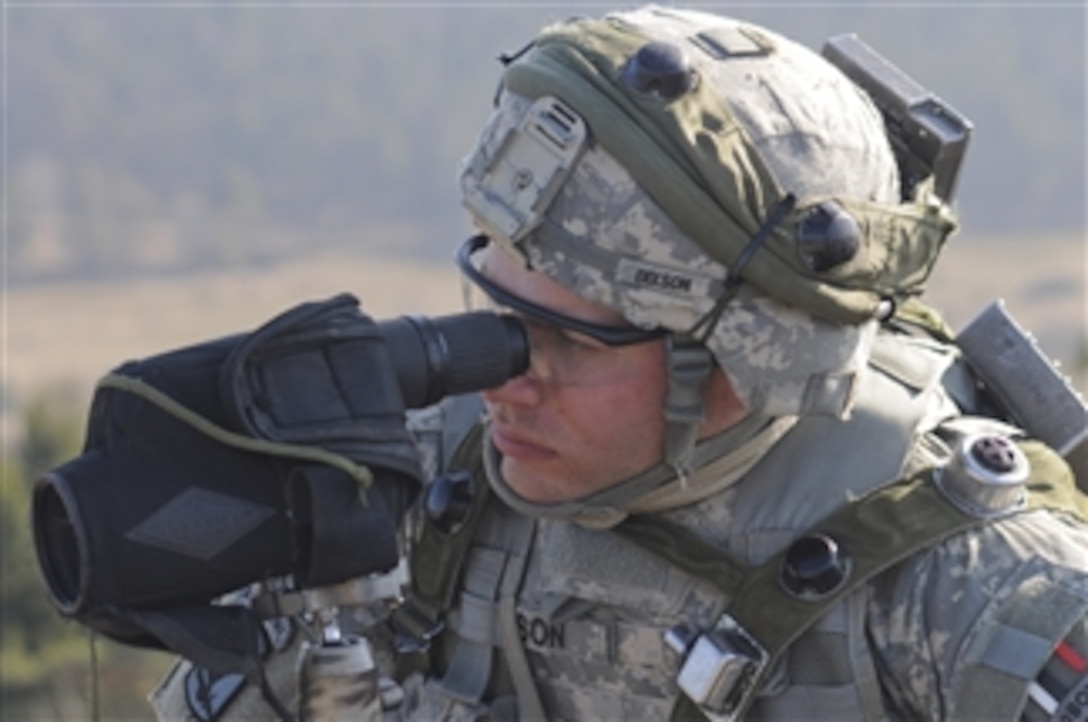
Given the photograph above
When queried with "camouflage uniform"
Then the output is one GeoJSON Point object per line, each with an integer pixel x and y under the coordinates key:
{"type": "Point", "coordinates": [960, 631]}
{"type": "Point", "coordinates": [557, 614]}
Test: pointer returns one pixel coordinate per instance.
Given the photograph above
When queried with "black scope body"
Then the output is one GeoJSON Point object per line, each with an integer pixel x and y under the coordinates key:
{"type": "Point", "coordinates": [159, 513]}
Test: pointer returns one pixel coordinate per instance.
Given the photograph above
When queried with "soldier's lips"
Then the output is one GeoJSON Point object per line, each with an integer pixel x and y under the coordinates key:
{"type": "Point", "coordinates": [518, 446]}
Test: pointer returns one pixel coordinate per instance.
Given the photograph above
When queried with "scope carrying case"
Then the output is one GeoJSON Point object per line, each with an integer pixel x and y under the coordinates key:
{"type": "Point", "coordinates": [204, 469]}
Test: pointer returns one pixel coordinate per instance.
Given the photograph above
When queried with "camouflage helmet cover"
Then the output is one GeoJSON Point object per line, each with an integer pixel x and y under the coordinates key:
{"type": "Point", "coordinates": [656, 197]}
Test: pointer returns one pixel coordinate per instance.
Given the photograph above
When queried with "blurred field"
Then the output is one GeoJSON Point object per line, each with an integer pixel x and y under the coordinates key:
{"type": "Point", "coordinates": [71, 334]}
{"type": "Point", "coordinates": [1042, 281]}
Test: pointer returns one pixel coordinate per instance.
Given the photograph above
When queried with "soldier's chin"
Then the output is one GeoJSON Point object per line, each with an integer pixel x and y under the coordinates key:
{"type": "Point", "coordinates": [532, 485]}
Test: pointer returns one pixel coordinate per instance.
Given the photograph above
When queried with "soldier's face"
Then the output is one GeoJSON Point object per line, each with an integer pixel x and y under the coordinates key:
{"type": "Point", "coordinates": [585, 416]}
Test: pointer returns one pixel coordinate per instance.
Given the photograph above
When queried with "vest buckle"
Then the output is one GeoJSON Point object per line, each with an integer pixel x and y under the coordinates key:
{"type": "Point", "coordinates": [414, 628]}
{"type": "Point", "coordinates": [720, 667]}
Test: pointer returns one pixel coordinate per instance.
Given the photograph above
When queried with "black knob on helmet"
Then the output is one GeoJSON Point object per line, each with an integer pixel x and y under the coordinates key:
{"type": "Point", "coordinates": [661, 69]}
{"type": "Point", "coordinates": [827, 237]}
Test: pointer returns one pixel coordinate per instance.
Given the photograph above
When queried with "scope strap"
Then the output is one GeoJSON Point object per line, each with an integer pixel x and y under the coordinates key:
{"type": "Point", "coordinates": [876, 531]}
{"type": "Point", "coordinates": [302, 452]}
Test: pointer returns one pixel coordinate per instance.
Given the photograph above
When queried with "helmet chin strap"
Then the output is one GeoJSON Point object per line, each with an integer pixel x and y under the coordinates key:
{"type": "Point", "coordinates": [689, 364]}
{"type": "Point", "coordinates": [715, 464]}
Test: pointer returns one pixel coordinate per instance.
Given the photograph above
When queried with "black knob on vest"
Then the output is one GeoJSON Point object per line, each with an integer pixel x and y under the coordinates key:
{"type": "Point", "coordinates": [814, 566]}
{"type": "Point", "coordinates": [661, 69]}
{"type": "Point", "coordinates": [449, 500]}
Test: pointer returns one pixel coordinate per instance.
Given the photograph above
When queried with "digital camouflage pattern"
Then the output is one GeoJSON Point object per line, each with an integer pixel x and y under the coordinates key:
{"type": "Point", "coordinates": [958, 632]}
{"type": "Point", "coordinates": [992, 606]}
{"type": "Point", "coordinates": [797, 110]}
{"type": "Point", "coordinates": [719, 168]}
{"type": "Point", "coordinates": [608, 241]}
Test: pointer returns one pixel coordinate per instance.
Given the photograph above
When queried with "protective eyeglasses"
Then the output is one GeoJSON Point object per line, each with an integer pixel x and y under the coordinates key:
{"type": "Point", "coordinates": [563, 349]}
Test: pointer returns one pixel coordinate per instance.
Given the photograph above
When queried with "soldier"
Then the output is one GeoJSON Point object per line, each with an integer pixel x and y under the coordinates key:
{"type": "Point", "coordinates": [747, 475]}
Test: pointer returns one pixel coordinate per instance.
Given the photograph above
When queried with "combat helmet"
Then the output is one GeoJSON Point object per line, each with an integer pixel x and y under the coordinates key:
{"type": "Point", "coordinates": [713, 178]}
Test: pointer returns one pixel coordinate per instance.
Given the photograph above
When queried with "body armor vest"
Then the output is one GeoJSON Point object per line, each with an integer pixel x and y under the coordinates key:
{"type": "Point", "coordinates": [585, 635]}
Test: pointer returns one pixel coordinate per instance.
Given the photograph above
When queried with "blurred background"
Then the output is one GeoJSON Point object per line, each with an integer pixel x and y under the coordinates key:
{"type": "Point", "coordinates": [176, 171]}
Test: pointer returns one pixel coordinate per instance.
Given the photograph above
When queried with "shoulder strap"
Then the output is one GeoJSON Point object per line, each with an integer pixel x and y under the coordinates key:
{"type": "Point", "coordinates": [872, 534]}
{"type": "Point", "coordinates": [437, 557]}
{"type": "Point", "coordinates": [436, 563]}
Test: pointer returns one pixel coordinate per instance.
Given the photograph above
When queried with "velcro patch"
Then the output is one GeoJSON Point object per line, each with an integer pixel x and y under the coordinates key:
{"type": "Point", "coordinates": [200, 523]}
{"type": "Point", "coordinates": [1061, 688]}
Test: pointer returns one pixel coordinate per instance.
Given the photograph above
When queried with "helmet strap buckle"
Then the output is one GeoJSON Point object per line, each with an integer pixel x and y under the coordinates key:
{"type": "Point", "coordinates": [689, 364]}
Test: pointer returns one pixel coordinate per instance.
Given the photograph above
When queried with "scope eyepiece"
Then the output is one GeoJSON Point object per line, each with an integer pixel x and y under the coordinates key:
{"type": "Point", "coordinates": [438, 357]}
